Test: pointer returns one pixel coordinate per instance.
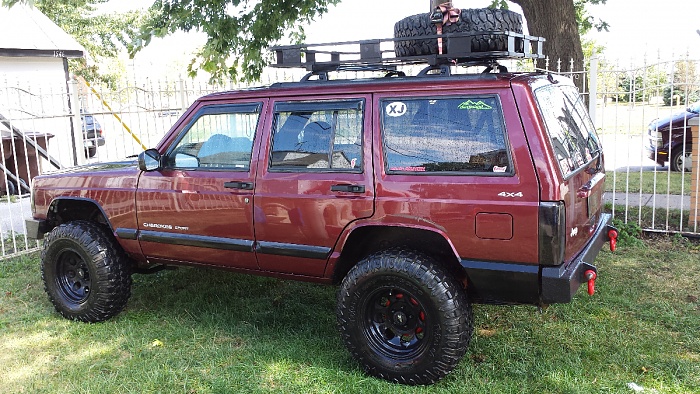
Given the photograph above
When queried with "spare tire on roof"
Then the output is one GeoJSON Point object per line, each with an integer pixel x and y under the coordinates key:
{"type": "Point", "coordinates": [471, 21]}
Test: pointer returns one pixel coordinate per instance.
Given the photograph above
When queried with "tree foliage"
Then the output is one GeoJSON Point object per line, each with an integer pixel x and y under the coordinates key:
{"type": "Point", "coordinates": [640, 85]}
{"type": "Point", "coordinates": [102, 35]}
{"type": "Point", "coordinates": [238, 31]}
{"type": "Point", "coordinates": [684, 88]}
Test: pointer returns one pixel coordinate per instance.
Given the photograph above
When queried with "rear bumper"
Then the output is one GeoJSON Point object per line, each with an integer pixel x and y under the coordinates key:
{"type": "Point", "coordinates": [94, 142]}
{"type": "Point", "coordinates": [559, 284]}
{"type": "Point", "coordinates": [492, 282]}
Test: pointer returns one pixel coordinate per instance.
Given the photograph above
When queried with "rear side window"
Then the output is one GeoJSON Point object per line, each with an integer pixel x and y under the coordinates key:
{"type": "Point", "coordinates": [317, 136]}
{"type": "Point", "coordinates": [453, 135]}
{"type": "Point", "coordinates": [570, 129]}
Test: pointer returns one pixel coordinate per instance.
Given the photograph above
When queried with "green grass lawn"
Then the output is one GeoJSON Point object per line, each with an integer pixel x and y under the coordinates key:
{"type": "Point", "coordinates": [204, 331]}
{"type": "Point", "coordinates": [634, 181]}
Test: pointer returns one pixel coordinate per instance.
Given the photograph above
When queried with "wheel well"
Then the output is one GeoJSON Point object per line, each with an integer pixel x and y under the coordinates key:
{"type": "Point", "coordinates": [68, 210]}
{"type": "Point", "coordinates": [368, 240]}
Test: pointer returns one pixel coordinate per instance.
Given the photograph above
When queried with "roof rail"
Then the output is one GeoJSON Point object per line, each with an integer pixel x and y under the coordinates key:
{"type": "Point", "coordinates": [378, 54]}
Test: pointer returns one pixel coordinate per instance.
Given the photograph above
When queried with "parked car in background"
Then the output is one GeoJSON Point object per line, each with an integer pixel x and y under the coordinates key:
{"type": "Point", "coordinates": [92, 135]}
{"type": "Point", "coordinates": [669, 139]}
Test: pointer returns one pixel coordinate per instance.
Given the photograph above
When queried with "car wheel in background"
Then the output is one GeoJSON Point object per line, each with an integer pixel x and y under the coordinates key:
{"type": "Point", "coordinates": [680, 159]}
{"type": "Point", "coordinates": [90, 152]}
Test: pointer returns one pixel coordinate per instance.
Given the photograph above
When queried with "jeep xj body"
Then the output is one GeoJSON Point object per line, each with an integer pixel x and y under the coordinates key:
{"type": "Point", "coordinates": [415, 194]}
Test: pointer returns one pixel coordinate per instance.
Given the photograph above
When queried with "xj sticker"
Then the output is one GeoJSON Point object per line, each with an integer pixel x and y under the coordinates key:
{"type": "Point", "coordinates": [395, 109]}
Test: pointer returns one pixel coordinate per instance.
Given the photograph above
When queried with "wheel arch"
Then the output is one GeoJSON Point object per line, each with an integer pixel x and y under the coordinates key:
{"type": "Point", "coordinates": [366, 240]}
{"type": "Point", "coordinates": [67, 209]}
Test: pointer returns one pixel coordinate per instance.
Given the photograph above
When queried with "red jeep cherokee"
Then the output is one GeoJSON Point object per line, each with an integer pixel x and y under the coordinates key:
{"type": "Point", "coordinates": [417, 196]}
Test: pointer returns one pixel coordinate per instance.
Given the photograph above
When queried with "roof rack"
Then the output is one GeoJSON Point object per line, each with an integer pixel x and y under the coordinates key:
{"type": "Point", "coordinates": [378, 54]}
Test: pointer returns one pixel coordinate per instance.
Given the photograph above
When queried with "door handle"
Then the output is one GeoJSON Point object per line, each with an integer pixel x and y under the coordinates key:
{"type": "Point", "coordinates": [239, 185]}
{"type": "Point", "coordinates": [348, 188]}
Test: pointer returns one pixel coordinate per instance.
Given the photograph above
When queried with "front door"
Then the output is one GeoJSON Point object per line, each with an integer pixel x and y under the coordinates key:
{"type": "Point", "coordinates": [199, 207]}
{"type": "Point", "coordinates": [318, 180]}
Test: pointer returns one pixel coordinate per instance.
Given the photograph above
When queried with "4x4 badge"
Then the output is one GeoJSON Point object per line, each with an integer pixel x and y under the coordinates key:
{"type": "Point", "coordinates": [480, 105]}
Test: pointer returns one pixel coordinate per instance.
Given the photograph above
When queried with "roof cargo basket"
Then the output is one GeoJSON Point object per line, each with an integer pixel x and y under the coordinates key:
{"type": "Point", "coordinates": [379, 54]}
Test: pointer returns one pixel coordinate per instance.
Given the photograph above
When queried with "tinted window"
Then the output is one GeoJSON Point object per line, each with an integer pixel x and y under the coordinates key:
{"type": "Point", "coordinates": [317, 136]}
{"type": "Point", "coordinates": [451, 135]}
{"type": "Point", "coordinates": [218, 138]}
{"type": "Point", "coordinates": [570, 129]}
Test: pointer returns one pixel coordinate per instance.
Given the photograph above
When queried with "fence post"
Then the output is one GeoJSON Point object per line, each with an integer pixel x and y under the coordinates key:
{"type": "Point", "coordinates": [78, 144]}
{"type": "Point", "coordinates": [183, 96]}
{"type": "Point", "coordinates": [593, 87]}
{"type": "Point", "coordinates": [695, 166]}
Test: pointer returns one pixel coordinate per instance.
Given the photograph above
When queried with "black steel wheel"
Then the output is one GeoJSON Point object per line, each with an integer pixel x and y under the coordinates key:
{"type": "Point", "coordinates": [475, 20]}
{"type": "Point", "coordinates": [73, 276]}
{"type": "Point", "coordinates": [86, 274]}
{"type": "Point", "coordinates": [403, 317]}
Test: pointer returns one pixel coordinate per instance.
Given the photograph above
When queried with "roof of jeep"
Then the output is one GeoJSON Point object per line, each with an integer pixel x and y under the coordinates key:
{"type": "Point", "coordinates": [381, 84]}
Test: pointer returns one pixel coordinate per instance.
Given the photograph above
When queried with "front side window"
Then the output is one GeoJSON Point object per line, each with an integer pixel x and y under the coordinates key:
{"type": "Point", "coordinates": [317, 136]}
{"type": "Point", "coordinates": [454, 135]}
{"type": "Point", "coordinates": [571, 132]}
{"type": "Point", "coordinates": [219, 138]}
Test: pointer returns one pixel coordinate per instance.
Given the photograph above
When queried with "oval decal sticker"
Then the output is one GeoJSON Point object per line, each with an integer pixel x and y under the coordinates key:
{"type": "Point", "coordinates": [395, 109]}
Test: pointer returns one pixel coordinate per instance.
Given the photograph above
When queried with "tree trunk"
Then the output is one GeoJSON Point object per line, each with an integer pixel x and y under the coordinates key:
{"type": "Point", "coordinates": [555, 20]}
{"type": "Point", "coordinates": [434, 4]}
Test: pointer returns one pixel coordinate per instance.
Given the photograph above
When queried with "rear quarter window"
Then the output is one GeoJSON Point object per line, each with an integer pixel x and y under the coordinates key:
{"type": "Point", "coordinates": [453, 136]}
{"type": "Point", "coordinates": [571, 132]}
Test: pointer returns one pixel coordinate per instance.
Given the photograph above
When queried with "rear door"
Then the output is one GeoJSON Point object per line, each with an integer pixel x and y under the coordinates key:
{"type": "Point", "coordinates": [316, 181]}
{"type": "Point", "coordinates": [577, 151]}
{"type": "Point", "coordinates": [459, 161]}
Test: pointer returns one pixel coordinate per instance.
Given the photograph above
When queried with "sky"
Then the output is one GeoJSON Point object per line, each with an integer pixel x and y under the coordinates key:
{"type": "Point", "coordinates": [639, 29]}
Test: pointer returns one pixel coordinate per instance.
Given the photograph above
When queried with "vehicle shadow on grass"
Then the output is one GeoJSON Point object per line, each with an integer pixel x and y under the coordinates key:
{"type": "Point", "coordinates": [258, 320]}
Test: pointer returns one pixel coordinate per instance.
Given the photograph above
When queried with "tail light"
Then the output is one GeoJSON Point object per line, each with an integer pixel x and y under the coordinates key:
{"type": "Point", "coordinates": [552, 233]}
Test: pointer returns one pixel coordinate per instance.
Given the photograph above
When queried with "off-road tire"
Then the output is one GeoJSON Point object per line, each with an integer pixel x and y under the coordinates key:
{"type": "Point", "coordinates": [471, 21]}
{"type": "Point", "coordinates": [86, 274]}
{"type": "Point", "coordinates": [403, 317]}
{"type": "Point", "coordinates": [676, 160]}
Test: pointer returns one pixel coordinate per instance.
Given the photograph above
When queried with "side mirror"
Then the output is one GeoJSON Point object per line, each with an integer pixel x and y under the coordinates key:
{"type": "Point", "coordinates": [149, 160]}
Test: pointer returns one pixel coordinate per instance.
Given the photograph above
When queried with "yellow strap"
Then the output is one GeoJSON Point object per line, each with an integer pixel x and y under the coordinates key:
{"type": "Point", "coordinates": [128, 130]}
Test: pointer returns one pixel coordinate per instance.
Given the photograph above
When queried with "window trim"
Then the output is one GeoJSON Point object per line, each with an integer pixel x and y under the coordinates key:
{"type": "Point", "coordinates": [511, 167]}
{"type": "Point", "coordinates": [216, 109]}
{"type": "Point", "coordinates": [357, 104]}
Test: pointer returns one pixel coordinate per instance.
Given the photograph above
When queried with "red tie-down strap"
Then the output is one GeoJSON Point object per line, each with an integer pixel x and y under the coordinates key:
{"type": "Point", "coordinates": [450, 15]}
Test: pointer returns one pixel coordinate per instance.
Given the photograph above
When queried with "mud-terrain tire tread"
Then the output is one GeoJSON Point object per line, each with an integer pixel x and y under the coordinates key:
{"type": "Point", "coordinates": [109, 268]}
{"type": "Point", "coordinates": [439, 287]}
{"type": "Point", "coordinates": [471, 21]}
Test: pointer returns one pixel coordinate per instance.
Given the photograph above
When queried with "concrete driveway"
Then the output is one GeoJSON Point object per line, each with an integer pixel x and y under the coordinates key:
{"type": "Point", "coordinates": [12, 215]}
